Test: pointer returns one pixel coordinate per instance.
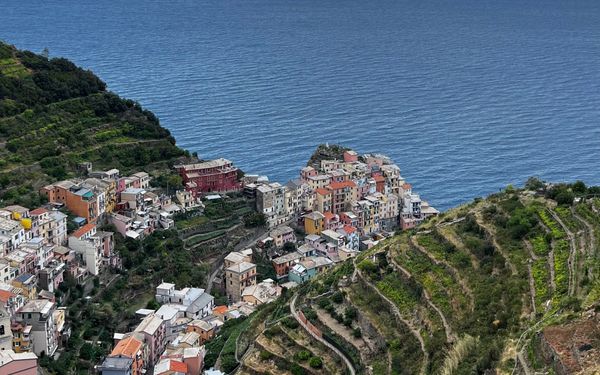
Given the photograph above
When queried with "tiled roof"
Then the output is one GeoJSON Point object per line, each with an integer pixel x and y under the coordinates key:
{"type": "Point", "coordinates": [328, 215]}
{"type": "Point", "coordinates": [323, 191]}
{"type": "Point", "coordinates": [349, 229]}
{"type": "Point", "coordinates": [38, 211]}
{"type": "Point", "coordinates": [5, 295]}
{"type": "Point", "coordinates": [220, 309]}
{"type": "Point", "coordinates": [128, 347]}
{"type": "Point", "coordinates": [83, 230]}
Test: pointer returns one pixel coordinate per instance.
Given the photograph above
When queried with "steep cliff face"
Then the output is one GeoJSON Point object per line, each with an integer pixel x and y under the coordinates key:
{"type": "Point", "coordinates": [471, 291]}
{"type": "Point", "coordinates": [54, 115]}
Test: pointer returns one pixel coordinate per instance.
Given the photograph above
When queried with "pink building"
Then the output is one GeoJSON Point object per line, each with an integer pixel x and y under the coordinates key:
{"type": "Point", "coordinates": [350, 156]}
{"type": "Point", "coordinates": [18, 363]}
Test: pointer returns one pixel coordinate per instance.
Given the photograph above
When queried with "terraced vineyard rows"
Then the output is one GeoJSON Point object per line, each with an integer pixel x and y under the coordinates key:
{"type": "Point", "coordinates": [466, 292]}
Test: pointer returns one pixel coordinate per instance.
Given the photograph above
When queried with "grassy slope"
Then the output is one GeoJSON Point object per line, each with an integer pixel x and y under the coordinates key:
{"type": "Point", "coordinates": [469, 283]}
{"type": "Point", "coordinates": [54, 115]}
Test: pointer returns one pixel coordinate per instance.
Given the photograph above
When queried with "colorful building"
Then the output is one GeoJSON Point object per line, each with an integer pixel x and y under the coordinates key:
{"type": "Point", "coordinates": [212, 176]}
{"type": "Point", "coordinates": [314, 223]}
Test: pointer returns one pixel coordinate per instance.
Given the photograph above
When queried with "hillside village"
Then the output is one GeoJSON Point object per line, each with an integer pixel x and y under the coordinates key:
{"type": "Point", "coordinates": [327, 215]}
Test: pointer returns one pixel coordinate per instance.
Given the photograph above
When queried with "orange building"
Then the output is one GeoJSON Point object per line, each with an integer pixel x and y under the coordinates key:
{"type": "Point", "coordinates": [80, 201]}
{"type": "Point", "coordinates": [203, 328]}
{"type": "Point", "coordinates": [130, 347]}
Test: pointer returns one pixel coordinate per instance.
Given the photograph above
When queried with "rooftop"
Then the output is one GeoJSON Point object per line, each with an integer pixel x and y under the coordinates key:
{"type": "Point", "coordinates": [241, 267]}
{"type": "Point", "coordinates": [84, 230]}
{"type": "Point", "coordinates": [116, 363]}
{"type": "Point", "coordinates": [128, 347]}
{"type": "Point", "coordinates": [41, 306]}
{"type": "Point", "coordinates": [287, 258]}
{"type": "Point", "coordinates": [207, 164]}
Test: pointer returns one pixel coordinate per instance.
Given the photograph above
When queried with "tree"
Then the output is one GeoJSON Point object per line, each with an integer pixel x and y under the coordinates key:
{"type": "Point", "coordinates": [565, 197]}
{"type": "Point", "coordinates": [316, 362]}
{"type": "Point", "coordinates": [153, 304]}
{"type": "Point", "coordinates": [86, 352]}
{"type": "Point", "coordinates": [534, 183]}
{"type": "Point", "coordinates": [289, 247]}
{"type": "Point", "coordinates": [254, 219]}
{"type": "Point", "coordinates": [579, 188]}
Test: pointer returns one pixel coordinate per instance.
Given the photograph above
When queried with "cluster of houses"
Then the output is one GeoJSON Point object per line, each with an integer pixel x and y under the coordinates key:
{"type": "Point", "coordinates": [366, 192]}
{"type": "Point", "coordinates": [240, 281]}
{"type": "Point", "coordinates": [125, 202]}
{"type": "Point", "coordinates": [170, 340]}
{"type": "Point", "coordinates": [33, 263]}
{"type": "Point", "coordinates": [37, 253]}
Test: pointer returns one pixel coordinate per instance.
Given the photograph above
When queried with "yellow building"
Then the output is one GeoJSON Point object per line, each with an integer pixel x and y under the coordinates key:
{"type": "Point", "coordinates": [314, 223]}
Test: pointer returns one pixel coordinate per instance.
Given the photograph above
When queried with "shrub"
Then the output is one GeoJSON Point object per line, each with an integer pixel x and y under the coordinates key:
{"type": "Point", "coordinates": [337, 297]}
{"type": "Point", "coordinates": [316, 362]}
{"type": "Point", "coordinates": [265, 355]}
{"type": "Point", "coordinates": [290, 322]}
{"type": "Point", "coordinates": [303, 355]}
{"type": "Point", "coordinates": [356, 332]}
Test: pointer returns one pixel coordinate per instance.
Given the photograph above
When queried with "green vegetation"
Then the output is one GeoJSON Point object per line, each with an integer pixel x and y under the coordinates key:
{"type": "Point", "coordinates": [54, 115]}
{"type": "Point", "coordinates": [465, 288]}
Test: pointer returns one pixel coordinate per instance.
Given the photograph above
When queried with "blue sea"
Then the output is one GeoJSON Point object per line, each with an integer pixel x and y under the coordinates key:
{"type": "Point", "coordinates": [467, 96]}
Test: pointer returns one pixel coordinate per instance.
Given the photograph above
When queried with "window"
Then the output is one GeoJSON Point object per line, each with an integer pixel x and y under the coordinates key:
{"type": "Point", "coordinates": [2, 329]}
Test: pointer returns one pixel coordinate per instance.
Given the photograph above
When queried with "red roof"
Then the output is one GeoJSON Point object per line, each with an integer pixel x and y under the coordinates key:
{"type": "Point", "coordinates": [178, 366]}
{"type": "Point", "coordinates": [341, 185]}
{"type": "Point", "coordinates": [38, 211]}
{"type": "Point", "coordinates": [349, 229]}
{"type": "Point", "coordinates": [5, 295]}
{"type": "Point", "coordinates": [379, 178]}
{"type": "Point", "coordinates": [83, 230]}
{"type": "Point", "coordinates": [220, 309]}
{"type": "Point", "coordinates": [127, 347]}
{"type": "Point", "coordinates": [328, 215]}
{"type": "Point", "coordinates": [406, 186]}
{"type": "Point", "coordinates": [323, 191]}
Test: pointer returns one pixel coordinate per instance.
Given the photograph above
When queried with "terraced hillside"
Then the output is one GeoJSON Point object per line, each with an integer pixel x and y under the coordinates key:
{"type": "Point", "coordinates": [502, 284]}
{"type": "Point", "coordinates": [54, 115]}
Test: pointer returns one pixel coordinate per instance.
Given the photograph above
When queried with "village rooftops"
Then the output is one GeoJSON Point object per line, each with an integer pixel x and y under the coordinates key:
{"type": "Point", "coordinates": [40, 306]}
{"type": "Point", "coordinates": [128, 347]}
{"type": "Point", "coordinates": [287, 258]}
{"type": "Point", "coordinates": [83, 230]}
{"type": "Point", "coordinates": [235, 257]}
{"type": "Point", "coordinates": [319, 177]}
{"type": "Point", "coordinates": [241, 267]}
{"type": "Point", "coordinates": [149, 325]}
{"type": "Point", "coordinates": [170, 366]}
{"type": "Point", "coordinates": [116, 364]}
{"type": "Point", "coordinates": [312, 237]}
{"type": "Point", "coordinates": [217, 163]}
{"type": "Point", "coordinates": [166, 312]}
{"type": "Point", "coordinates": [38, 211]}
{"type": "Point", "coordinates": [331, 234]}
{"type": "Point", "coordinates": [315, 215]}
{"type": "Point", "coordinates": [323, 191]}
{"type": "Point", "coordinates": [9, 225]}
{"type": "Point", "coordinates": [280, 231]}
